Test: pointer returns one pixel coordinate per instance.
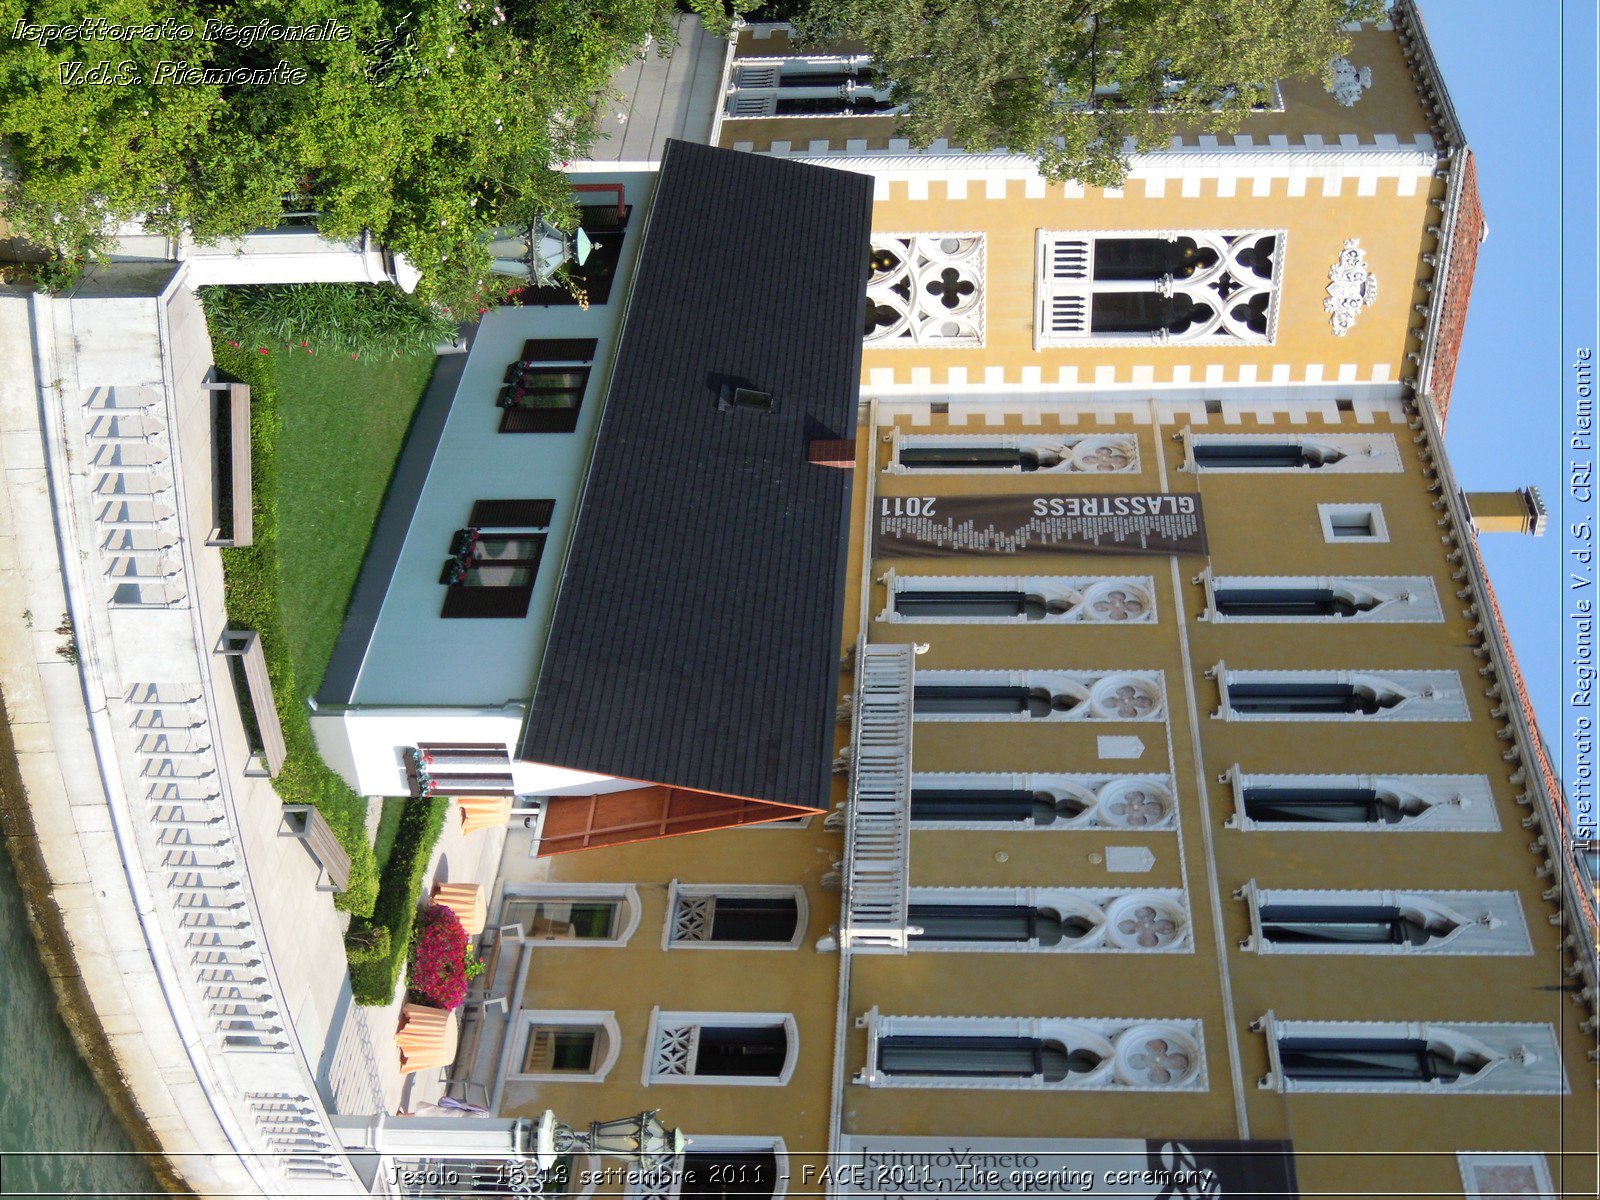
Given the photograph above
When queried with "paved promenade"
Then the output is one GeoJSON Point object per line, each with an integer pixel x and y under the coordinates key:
{"type": "Point", "coordinates": [213, 962]}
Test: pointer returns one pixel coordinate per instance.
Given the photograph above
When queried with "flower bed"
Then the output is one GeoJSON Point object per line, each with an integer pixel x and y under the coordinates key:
{"type": "Point", "coordinates": [374, 964]}
{"type": "Point", "coordinates": [439, 959]}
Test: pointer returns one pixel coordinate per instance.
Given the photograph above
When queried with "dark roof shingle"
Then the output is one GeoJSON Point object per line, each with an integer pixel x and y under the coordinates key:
{"type": "Point", "coordinates": [696, 635]}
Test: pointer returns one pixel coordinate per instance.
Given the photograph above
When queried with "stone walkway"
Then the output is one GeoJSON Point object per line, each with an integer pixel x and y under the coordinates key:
{"type": "Point", "coordinates": [214, 963]}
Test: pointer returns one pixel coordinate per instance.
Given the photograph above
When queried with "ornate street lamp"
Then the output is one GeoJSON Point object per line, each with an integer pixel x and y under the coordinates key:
{"type": "Point", "coordinates": [536, 253]}
{"type": "Point", "coordinates": [643, 1141]}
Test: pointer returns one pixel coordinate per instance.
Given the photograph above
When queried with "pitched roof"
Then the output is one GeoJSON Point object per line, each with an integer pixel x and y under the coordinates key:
{"type": "Point", "coordinates": [696, 635]}
{"type": "Point", "coordinates": [1539, 750]}
{"type": "Point", "coordinates": [1467, 231]}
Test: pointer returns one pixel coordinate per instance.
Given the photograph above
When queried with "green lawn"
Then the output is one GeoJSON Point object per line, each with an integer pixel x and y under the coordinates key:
{"type": "Point", "coordinates": [342, 423]}
{"type": "Point", "coordinates": [325, 434]}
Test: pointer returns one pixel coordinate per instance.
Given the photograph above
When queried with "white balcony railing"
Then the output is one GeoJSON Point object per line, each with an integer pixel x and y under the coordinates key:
{"type": "Point", "coordinates": [878, 831]}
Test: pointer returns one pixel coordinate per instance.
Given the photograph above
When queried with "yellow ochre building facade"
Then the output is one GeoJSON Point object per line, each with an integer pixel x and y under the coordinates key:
{"type": "Point", "coordinates": [1190, 833]}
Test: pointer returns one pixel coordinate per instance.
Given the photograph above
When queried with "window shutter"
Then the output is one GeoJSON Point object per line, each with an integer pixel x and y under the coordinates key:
{"type": "Point", "coordinates": [1068, 258]}
{"type": "Point", "coordinates": [559, 350]}
{"type": "Point", "coordinates": [764, 76]}
{"type": "Point", "coordinates": [512, 514]}
{"type": "Point", "coordinates": [747, 104]}
{"type": "Point", "coordinates": [1065, 269]}
{"type": "Point", "coordinates": [1067, 315]}
{"type": "Point", "coordinates": [538, 420]}
{"type": "Point", "coordinates": [487, 601]}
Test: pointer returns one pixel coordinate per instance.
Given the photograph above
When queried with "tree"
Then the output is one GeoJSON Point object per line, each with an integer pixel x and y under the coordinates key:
{"type": "Point", "coordinates": [1076, 83]}
{"type": "Point", "coordinates": [423, 122]}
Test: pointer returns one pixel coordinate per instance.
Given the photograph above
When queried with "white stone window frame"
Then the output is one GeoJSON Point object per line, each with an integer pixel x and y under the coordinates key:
{"type": "Point", "coordinates": [1425, 695]}
{"type": "Point", "coordinates": [1474, 1163]}
{"type": "Point", "coordinates": [1454, 803]}
{"type": "Point", "coordinates": [1111, 910]}
{"type": "Point", "coordinates": [1077, 595]}
{"type": "Point", "coordinates": [1118, 1039]}
{"type": "Point", "coordinates": [1373, 512]}
{"type": "Point", "coordinates": [626, 895]}
{"type": "Point", "coordinates": [755, 84]}
{"type": "Point", "coordinates": [1489, 923]}
{"type": "Point", "coordinates": [678, 892]}
{"type": "Point", "coordinates": [1080, 454]}
{"type": "Point", "coordinates": [669, 1184]}
{"type": "Point", "coordinates": [921, 253]}
{"type": "Point", "coordinates": [667, 1023]}
{"type": "Point", "coordinates": [1097, 693]}
{"type": "Point", "coordinates": [1402, 599]}
{"type": "Point", "coordinates": [528, 1019]}
{"type": "Point", "coordinates": [1525, 1058]}
{"type": "Point", "coordinates": [1364, 453]}
{"type": "Point", "coordinates": [1048, 287]}
{"type": "Point", "coordinates": [1104, 793]}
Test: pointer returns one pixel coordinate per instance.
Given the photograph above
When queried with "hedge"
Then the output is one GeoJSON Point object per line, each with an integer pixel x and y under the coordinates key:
{"type": "Point", "coordinates": [375, 321]}
{"type": "Point", "coordinates": [373, 977]}
{"type": "Point", "coordinates": [251, 597]}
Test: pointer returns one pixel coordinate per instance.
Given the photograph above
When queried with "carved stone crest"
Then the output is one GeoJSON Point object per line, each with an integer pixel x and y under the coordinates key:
{"type": "Point", "coordinates": [1351, 287]}
{"type": "Point", "coordinates": [1348, 81]}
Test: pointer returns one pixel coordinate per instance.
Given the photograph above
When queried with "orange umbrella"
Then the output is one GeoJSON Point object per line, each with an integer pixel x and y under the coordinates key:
{"type": "Point", "coordinates": [466, 901]}
{"type": "Point", "coordinates": [427, 1037]}
{"type": "Point", "coordinates": [484, 812]}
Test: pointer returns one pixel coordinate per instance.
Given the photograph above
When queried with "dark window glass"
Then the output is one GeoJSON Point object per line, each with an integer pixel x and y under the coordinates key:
{"type": "Point", "coordinates": [1327, 924]}
{"type": "Point", "coordinates": [992, 923]}
{"type": "Point", "coordinates": [752, 1050]}
{"type": "Point", "coordinates": [1150, 258]}
{"type": "Point", "coordinates": [1286, 602]}
{"type": "Point", "coordinates": [754, 919]}
{"type": "Point", "coordinates": [992, 1057]}
{"type": "Point", "coordinates": [1320, 806]}
{"type": "Point", "coordinates": [969, 604]}
{"type": "Point", "coordinates": [711, 1173]}
{"type": "Point", "coordinates": [1306, 698]}
{"type": "Point", "coordinates": [1145, 312]}
{"type": "Point", "coordinates": [975, 458]}
{"type": "Point", "coordinates": [1371, 1059]}
{"type": "Point", "coordinates": [491, 574]}
{"type": "Point", "coordinates": [930, 699]}
{"type": "Point", "coordinates": [998, 805]}
{"type": "Point", "coordinates": [1258, 455]}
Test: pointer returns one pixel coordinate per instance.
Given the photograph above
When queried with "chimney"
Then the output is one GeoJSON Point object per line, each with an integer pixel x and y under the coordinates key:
{"type": "Point", "coordinates": [832, 452]}
{"type": "Point", "coordinates": [1508, 512]}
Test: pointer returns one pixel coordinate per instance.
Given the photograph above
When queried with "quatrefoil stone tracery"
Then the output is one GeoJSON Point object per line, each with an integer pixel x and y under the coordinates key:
{"type": "Point", "coordinates": [925, 289]}
{"type": "Point", "coordinates": [1159, 1061]}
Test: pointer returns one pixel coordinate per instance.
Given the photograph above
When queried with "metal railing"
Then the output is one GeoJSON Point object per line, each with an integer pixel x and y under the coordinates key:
{"type": "Point", "coordinates": [878, 825]}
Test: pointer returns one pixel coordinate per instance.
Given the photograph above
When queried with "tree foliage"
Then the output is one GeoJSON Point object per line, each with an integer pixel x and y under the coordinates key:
{"type": "Point", "coordinates": [433, 121]}
{"type": "Point", "coordinates": [1077, 83]}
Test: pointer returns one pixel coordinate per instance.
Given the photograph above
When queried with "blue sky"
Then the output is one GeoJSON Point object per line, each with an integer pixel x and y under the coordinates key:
{"type": "Point", "coordinates": [1505, 427]}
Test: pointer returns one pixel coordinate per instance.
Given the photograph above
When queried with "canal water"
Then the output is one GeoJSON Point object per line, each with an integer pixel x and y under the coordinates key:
{"type": "Point", "coordinates": [58, 1136]}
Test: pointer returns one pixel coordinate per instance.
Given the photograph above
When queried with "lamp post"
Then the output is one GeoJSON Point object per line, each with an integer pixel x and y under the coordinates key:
{"type": "Point", "coordinates": [536, 252]}
{"type": "Point", "coordinates": [643, 1141]}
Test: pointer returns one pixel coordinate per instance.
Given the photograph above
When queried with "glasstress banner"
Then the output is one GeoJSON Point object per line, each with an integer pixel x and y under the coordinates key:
{"type": "Point", "coordinates": [998, 526]}
{"type": "Point", "coordinates": [900, 1168]}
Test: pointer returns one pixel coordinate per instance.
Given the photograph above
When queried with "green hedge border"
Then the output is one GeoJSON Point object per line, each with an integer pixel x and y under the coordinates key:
{"type": "Point", "coordinates": [251, 597]}
{"type": "Point", "coordinates": [378, 947]}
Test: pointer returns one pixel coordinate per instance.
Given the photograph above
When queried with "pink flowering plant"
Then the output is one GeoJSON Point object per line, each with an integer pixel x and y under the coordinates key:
{"type": "Point", "coordinates": [439, 959]}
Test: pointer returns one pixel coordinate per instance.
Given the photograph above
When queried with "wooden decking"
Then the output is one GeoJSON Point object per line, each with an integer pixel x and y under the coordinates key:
{"type": "Point", "coordinates": [245, 645]}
